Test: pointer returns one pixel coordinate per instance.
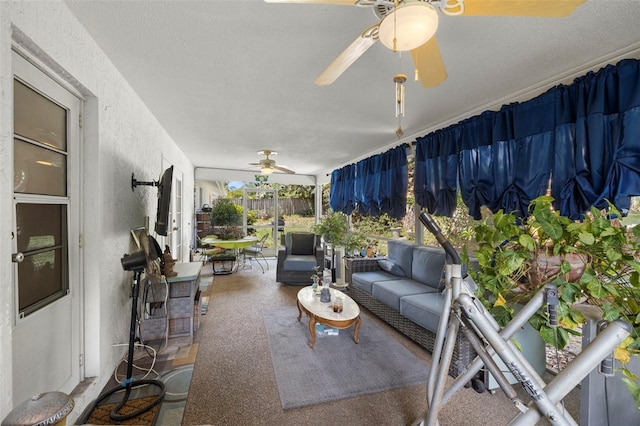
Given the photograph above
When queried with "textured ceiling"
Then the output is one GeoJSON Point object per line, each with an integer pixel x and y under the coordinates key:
{"type": "Point", "coordinates": [229, 78]}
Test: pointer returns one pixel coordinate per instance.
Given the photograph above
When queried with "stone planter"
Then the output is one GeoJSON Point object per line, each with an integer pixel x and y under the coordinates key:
{"type": "Point", "coordinates": [545, 267]}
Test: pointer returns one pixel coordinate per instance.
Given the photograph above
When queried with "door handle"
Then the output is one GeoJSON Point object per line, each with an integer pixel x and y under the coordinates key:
{"type": "Point", "coordinates": [17, 257]}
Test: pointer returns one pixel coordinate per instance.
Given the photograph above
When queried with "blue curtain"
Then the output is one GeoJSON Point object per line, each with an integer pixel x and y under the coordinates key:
{"type": "Point", "coordinates": [392, 190]}
{"type": "Point", "coordinates": [606, 143]}
{"type": "Point", "coordinates": [368, 184]}
{"type": "Point", "coordinates": [342, 193]}
{"type": "Point", "coordinates": [436, 171]}
{"type": "Point", "coordinates": [582, 141]}
{"type": "Point", "coordinates": [373, 186]}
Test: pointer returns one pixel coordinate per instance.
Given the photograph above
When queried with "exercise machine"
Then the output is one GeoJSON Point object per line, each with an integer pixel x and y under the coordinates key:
{"type": "Point", "coordinates": [465, 313]}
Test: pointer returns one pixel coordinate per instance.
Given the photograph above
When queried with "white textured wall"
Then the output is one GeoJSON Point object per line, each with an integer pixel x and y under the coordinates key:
{"type": "Point", "coordinates": [120, 137]}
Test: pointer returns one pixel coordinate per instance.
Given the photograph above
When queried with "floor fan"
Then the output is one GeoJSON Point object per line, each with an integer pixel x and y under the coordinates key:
{"type": "Point", "coordinates": [135, 262]}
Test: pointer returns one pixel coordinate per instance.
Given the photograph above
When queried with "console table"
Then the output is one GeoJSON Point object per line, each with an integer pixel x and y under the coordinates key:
{"type": "Point", "coordinates": [178, 316]}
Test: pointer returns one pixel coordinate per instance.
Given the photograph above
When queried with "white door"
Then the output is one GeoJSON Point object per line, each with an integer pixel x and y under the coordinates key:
{"type": "Point", "coordinates": [46, 279]}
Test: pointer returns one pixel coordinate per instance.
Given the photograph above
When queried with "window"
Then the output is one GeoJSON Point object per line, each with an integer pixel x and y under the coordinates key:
{"type": "Point", "coordinates": [41, 202]}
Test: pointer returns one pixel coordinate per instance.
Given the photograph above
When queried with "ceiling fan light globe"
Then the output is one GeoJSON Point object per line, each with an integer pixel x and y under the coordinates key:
{"type": "Point", "coordinates": [412, 24]}
{"type": "Point", "coordinates": [266, 170]}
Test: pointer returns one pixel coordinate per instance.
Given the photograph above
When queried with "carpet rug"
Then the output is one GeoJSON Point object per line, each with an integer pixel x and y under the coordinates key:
{"type": "Point", "coordinates": [336, 367]}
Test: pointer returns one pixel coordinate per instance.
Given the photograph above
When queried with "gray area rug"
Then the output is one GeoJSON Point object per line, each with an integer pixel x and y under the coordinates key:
{"type": "Point", "coordinates": [336, 367]}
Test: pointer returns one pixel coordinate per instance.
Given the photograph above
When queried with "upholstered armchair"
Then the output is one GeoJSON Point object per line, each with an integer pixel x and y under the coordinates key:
{"type": "Point", "coordinates": [297, 256]}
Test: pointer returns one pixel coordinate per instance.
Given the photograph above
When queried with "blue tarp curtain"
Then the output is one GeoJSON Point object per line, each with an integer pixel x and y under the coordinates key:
{"type": "Point", "coordinates": [583, 139]}
{"type": "Point", "coordinates": [373, 186]}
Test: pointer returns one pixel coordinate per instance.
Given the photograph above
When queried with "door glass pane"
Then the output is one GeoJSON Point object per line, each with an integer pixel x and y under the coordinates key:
{"type": "Point", "coordinates": [38, 170]}
{"type": "Point", "coordinates": [39, 119]}
{"type": "Point", "coordinates": [42, 276]}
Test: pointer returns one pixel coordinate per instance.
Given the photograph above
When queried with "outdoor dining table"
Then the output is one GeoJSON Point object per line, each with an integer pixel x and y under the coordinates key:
{"type": "Point", "coordinates": [236, 245]}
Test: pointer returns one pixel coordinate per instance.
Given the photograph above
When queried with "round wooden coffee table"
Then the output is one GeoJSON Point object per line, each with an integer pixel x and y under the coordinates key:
{"type": "Point", "coordinates": [322, 312]}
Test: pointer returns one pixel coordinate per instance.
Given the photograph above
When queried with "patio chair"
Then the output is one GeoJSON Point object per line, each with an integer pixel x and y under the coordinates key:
{"type": "Point", "coordinates": [205, 252]}
{"type": "Point", "coordinates": [297, 258]}
{"type": "Point", "coordinates": [254, 251]}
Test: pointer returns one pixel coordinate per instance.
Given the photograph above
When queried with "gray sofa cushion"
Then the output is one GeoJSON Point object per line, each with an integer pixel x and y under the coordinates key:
{"type": "Point", "coordinates": [390, 292]}
{"type": "Point", "coordinates": [364, 280]}
{"type": "Point", "coordinates": [299, 263]}
{"type": "Point", "coordinates": [392, 268]}
{"type": "Point", "coordinates": [423, 309]}
{"type": "Point", "coordinates": [428, 266]}
{"type": "Point", "coordinates": [399, 252]}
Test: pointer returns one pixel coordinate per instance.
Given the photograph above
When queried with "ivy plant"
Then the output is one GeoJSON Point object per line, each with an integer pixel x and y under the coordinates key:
{"type": "Point", "coordinates": [510, 252]}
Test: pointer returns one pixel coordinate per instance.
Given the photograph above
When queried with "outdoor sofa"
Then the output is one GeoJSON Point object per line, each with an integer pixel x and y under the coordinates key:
{"type": "Point", "coordinates": [405, 289]}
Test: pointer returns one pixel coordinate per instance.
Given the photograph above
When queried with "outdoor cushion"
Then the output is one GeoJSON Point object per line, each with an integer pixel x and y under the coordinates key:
{"type": "Point", "coordinates": [364, 280]}
{"type": "Point", "coordinates": [299, 263]}
{"type": "Point", "coordinates": [390, 292]}
{"type": "Point", "coordinates": [423, 309]}
{"type": "Point", "coordinates": [400, 254]}
{"type": "Point", "coordinates": [302, 243]}
{"type": "Point", "coordinates": [392, 268]}
{"type": "Point", "coordinates": [428, 266]}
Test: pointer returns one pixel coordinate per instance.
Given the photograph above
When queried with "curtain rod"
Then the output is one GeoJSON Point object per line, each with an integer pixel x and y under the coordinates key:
{"type": "Point", "coordinates": [405, 144]}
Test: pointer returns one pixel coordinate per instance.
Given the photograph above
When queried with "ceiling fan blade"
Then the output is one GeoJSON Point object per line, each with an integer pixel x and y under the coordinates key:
{"type": "Point", "coordinates": [344, 2]}
{"type": "Point", "coordinates": [541, 8]}
{"type": "Point", "coordinates": [348, 57]}
{"type": "Point", "coordinates": [283, 169]}
{"type": "Point", "coordinates": [429, 64]}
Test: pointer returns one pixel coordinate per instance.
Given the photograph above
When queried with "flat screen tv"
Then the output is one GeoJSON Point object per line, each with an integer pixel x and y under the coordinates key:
{"type": "Point", "coordinates": [164, 202]}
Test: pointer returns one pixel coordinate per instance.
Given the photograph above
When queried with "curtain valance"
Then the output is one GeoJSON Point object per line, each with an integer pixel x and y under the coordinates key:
{"type": "Point", "coordinates": [582, 140]}
{"type": "Point", "coordinates": [373, 186]}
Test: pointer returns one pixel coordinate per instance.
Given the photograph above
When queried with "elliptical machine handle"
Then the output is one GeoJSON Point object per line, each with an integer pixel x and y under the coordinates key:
{"type": "Point", "coordinates": [433, 227]}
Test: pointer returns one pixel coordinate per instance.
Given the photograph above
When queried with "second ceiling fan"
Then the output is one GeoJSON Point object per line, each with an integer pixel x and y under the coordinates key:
{"type": "Point", "coordinates": [268, 165]}
{"type": "Point", "coordinates": [411, 25]}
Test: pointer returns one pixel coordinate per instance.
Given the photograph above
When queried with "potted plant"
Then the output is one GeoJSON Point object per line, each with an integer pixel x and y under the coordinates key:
{"type": "Point", "coordinates": [333, 228]}
{"type": "Point", "coordinates": [594, 261]}
{"type": "Point", "coordinates": [354, 242]}
{"type": "Point", "coordinates": [371, 249]}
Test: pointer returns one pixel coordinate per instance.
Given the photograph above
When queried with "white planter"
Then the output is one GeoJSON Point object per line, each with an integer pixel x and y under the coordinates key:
{"type": "Point", "coordinates": [606, 400]}
{"type": "Point", "coordinates": [533, 349]}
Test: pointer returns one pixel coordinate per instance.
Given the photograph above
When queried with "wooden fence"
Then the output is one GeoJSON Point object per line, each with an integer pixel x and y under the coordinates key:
{"type": "Point", "coordinates": [286, 206]}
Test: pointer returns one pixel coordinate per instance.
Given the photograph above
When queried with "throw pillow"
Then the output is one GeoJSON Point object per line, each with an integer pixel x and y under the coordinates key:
{"type": "Point", "coordinates": [302, 244]}
{"type": "Point", "coordinates": [391, 267]}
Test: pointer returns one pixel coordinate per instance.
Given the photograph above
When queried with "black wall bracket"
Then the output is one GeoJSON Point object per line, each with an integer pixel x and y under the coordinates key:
{"type": "Point", "coordinates": [135, 182]}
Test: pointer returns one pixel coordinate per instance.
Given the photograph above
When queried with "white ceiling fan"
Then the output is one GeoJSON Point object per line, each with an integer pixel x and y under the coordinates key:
{"type": "Point", "coordinates": [268, 166]}
{"type": "Point", "coordinates": [411, 25]}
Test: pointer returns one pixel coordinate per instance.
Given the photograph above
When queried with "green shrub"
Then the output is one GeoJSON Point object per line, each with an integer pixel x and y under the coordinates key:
{"type": "Point", "coordinates": [225, 213]}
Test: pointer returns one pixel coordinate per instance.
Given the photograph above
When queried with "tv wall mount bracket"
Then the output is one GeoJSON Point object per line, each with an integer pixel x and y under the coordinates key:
{"type": "Point", "coordinates": [135, 182]}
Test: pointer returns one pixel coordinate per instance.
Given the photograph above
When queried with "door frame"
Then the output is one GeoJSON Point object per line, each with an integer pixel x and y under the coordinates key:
{"type": "Point", "coordinates": [29, 70]}
{"type": "Point", "coordinates": [274, 225]}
